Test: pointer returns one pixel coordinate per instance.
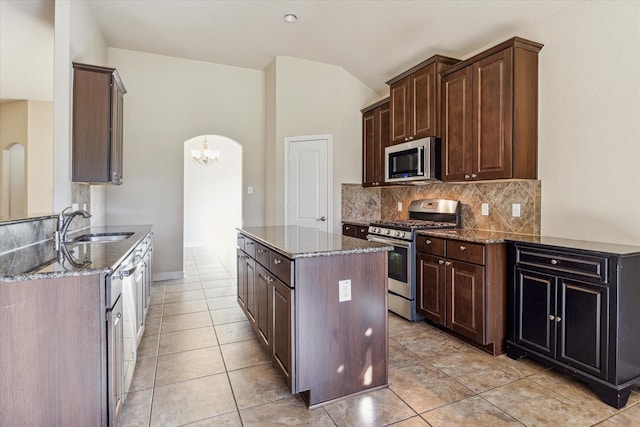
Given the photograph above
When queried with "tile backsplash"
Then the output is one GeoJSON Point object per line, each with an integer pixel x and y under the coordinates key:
{"type": "Point", "coordinates": [364, 204]}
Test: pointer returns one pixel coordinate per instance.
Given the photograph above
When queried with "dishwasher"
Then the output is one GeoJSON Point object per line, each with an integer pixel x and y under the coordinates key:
{"type": "Point", "coordinates": [127, 273]}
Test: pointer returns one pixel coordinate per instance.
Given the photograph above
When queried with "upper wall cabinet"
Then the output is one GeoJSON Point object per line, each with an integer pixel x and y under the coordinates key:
{"type": "Point", "coordinates": [375, 137]}
{"type": "Point", "coordinates": [415, 100]}
{"type": "Point", "coordinates": [490, 114]}
{"type": "Point", "coordinates": [97, 124]}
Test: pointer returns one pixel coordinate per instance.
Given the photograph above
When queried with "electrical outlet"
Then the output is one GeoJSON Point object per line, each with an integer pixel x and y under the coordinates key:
{"type": "Point", "coordinates": [250, 189]}
{"type": "Point", "coordinates": [485, 209]}
{"type": "Point", "coordinates": [344, 289]}
{"type": "Point", "coordinates": [515, 210]}
{"type": "Point", "coordinates": [399, 206]}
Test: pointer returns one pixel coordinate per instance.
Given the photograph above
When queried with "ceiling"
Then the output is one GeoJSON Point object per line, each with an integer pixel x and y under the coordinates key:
{"type": "Point", "coordinates": [374, 40]}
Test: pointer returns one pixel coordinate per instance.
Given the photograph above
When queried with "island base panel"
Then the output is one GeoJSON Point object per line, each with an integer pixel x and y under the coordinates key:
{"type": "Point", "coordinates": [341, 346]}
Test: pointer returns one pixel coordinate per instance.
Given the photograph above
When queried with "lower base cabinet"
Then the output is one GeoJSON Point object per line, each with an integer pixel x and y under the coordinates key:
{"type": "Point", "coordinates": [577, 310]}
{"type": "Point", "coordinates": [462, 287]}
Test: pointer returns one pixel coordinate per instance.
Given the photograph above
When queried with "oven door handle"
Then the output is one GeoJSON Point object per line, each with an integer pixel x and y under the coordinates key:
{"type": "Point", "coordinates": [391, 242]}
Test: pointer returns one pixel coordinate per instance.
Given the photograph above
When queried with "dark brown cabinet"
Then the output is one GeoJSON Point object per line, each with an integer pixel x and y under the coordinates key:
{"type": "Point", "coordinates": [264, 277]}
{"type": "Point", "coordinates": [375, 137]}
{"type": "Point", "coordinates": [462, 286]}
{"type": "Point", "coordinates": [98, 94]}
{"type": "Point", "coordinates": [415, 100]}
{"type": "Point", "coordinates": [355, 230]}
{"type": "Point", "coordinates": [575, 308]}
{"type": "Point", "coordinates": [490, 114]}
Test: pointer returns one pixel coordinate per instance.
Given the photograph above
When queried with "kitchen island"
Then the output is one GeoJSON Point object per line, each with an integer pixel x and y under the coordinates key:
{"type": "Point", "coordinates": [318, 304]}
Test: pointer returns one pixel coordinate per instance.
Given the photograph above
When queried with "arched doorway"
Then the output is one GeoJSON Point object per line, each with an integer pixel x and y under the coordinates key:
{"type": "Point", "coordinates": [213, 196]}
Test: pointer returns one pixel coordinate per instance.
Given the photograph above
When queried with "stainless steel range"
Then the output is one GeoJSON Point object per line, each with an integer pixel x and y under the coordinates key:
{"type": "Point", "coordinates": [423, 214]}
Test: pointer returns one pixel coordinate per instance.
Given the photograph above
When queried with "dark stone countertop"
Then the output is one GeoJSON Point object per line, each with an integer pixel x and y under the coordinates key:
{"type": "Point", "coordinates": [487, 236]}
{"type": "Point", "coordinates": [42, 261]}
{"type": "Point", "coordinates": [301, 242]}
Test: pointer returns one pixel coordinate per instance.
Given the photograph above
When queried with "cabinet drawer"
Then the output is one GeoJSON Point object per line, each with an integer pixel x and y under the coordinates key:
{"type": "Point", "coordinates": [362, 231]}
{"type": "Point", "coordinates": [349, 230]}
{"type": "Point", "coordinates": [250, 247]}
{"type": "Point", "coordinates": [430, 245]}
{"type": "Point", "coordinates": [282, 267]}
{"type": "Point", "coordinates": [263, 254]}
{"type": "Point", "coordinates": [595, 267]}
{"type": "Point", "coordinates": [465, 251]}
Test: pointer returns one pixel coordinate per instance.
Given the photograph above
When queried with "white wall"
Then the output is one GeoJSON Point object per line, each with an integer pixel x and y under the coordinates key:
{"type": "Point", "coordinates": [589, 124]}
{"type": "Point", "coordinates": [168, 101]}
{"type": "Point", "coordinates": [312, 98]}
{"type": "Point", "coordinates": [40, 158]}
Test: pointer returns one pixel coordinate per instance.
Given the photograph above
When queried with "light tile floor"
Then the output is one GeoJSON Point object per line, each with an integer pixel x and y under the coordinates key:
{"type": "Point", "coordinates": [199, 364]}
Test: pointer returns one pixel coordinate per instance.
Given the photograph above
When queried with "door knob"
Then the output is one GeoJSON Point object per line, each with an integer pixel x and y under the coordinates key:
{"type": "Point", "coordinates": [322, 218]}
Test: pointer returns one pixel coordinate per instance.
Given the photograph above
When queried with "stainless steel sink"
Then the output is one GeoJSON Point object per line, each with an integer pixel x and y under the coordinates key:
{"type": "Point", "coordinates": [101, 237]}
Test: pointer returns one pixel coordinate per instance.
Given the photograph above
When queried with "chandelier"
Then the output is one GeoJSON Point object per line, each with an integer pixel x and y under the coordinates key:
{"type": "Point", "coordinates": [205, 156]}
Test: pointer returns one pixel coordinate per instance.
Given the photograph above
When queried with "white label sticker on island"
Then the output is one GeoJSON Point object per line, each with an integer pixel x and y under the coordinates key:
{"type": "Point", "coordinates": [344, 289]}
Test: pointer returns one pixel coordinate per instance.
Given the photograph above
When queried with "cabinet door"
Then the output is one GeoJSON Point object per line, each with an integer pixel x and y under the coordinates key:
{"type": "Point", "coordinates": [383, 140]}
{"type": "Point", "coordinates": [493, 116]}
{"type": "Point", "coordinates": [368, 148]}
{"type": "Point", "coordinates": [457, 122]}
{"type": "Point", "coordinates": [535, 311]}
{"type": "Point", "coordinates": [250, 266]}
{"type": "Point", "coordinates": [400, 115]}
{"type": "Point", "coordinates": [582, 326]}
{"type": "Point", "coordinates": [281, 339]}
{"type": "Point", "coordinates": [117, 112]}
{"type": "Point", "coordinates": [430, 288]}
{"type": "Point", "coordinates": [262, 325]}
{"type": "Point", "coordinates": [423, 102]}
{"type": "Point", "coordinates": [115, 364]}
{"type": "Point", "coordinates": [465, 299]}
{"type": "Point", "coordinates": [242, 280]}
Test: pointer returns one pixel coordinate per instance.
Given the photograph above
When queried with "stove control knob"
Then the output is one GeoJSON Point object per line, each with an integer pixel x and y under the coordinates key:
{"type": "Point", "coordinates": [403, 234]}
{"type": "Point", "coordinates": [388, 232]}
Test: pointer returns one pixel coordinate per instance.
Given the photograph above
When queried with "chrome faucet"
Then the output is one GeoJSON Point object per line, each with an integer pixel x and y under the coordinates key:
{"type": "Point", "coordinates": [60, 235]}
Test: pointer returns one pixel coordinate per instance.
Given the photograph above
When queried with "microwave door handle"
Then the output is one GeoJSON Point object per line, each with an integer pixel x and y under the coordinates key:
{"type": "Point", "coordinates": [420, 161]}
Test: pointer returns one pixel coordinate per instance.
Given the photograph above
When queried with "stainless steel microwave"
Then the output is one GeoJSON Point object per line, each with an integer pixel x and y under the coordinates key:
{"type": "Point", "coordinates": [413, 161]}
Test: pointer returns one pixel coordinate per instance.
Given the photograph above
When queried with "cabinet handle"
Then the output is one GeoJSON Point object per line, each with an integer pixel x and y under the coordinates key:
{"type": "Point", "coordinates": [448, 263]}
{"type": "Point", "coordinates": [428, 242]}
{"type": "Point", "coordinates": [473, 175]}
{"type": "Point", "coordinates": [277, 261]}
{"type": "Point", "coordinates": [463, 248]}
{"type": "Point", "coordinates": [467, 177]}
{"type": "Point", "coordinates": [117, 315]}
{"type": "Point", "coordinates": [261, 251]}
{"type": "Point", "coordinates": [250, 243]}
{"type": "Point", "coordinates": [552, 317]}
{"type": "Point", "coordinates": [440, 262]}
{"type": "Point", "coordinates": [347, 228]}
{"type": "Point", "coordinates": [554, 262]}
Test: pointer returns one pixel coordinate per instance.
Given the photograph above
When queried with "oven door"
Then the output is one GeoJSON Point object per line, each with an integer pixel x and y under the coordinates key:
{"type": "Point", "coordinates": [399, 265]}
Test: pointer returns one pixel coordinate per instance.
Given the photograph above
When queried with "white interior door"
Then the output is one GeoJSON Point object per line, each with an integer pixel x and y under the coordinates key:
{"type": "Point", "coordinates": [308, 182]}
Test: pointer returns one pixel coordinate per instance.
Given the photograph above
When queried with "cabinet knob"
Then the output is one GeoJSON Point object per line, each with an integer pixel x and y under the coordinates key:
{"type": "Point", "coordinates": [554, 262]}
{"type": "Point", "coordinates": [467, 177]}
{"type": "Point", "coordinates": [117, 315]}
{"type": "Point", "coordinates": [347, 228]}
{"type": "Point", "coordinates": [552, 317]}
{"type": "Point", "coordinates": [428, 242]}
{"type": "Point", "coordinates": [410, 138]}
{"type": "Point", "coordinates": [448, 263]}
{"type": "Point", "coordinates": [463, 248]}
{"type": "Point", "coordinates": [261, 251]}
{"type": "Point", "coordinates": [277, 261]}
{"type": "Point", "coordinates": [558, 319]}
{"type": "Point", "coordinates": [473, 175]}
{"type": "Point", "coordinates": [441, 262]}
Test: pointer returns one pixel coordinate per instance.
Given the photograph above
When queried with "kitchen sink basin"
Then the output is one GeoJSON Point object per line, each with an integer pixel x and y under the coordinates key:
{"type": "Point", "coordinates": [101, 237]}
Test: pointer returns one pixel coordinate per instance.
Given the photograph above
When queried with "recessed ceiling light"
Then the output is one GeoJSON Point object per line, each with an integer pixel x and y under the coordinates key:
{"type": "Point", "coordinates": [290, 18]}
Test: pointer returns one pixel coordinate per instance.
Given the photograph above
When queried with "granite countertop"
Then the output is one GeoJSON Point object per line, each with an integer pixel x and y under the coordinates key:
{"type": "Point", "coordinates": [359, 223]}
{"type": "Point", "coordinates": [300, 242]}
{"type": "Point", "coordinates": [42, 261]}
{"type": "Point", "coordinates": [487, 236]}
